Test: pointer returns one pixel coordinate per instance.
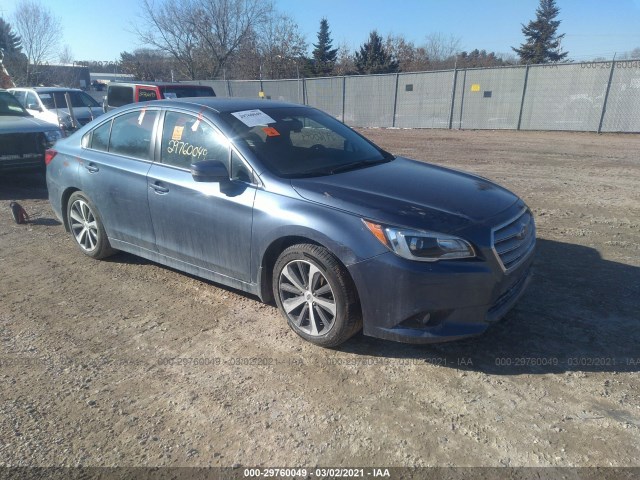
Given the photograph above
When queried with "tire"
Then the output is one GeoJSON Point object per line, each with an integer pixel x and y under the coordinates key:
{"type": "Point", "coordinates": [86, 227]}
{"type": "Point", "coordinates": [325, 311]}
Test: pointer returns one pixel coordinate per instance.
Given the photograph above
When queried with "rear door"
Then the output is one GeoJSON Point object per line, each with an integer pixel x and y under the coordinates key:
{"type": "Point", "coordinates": [113, 174]}
{"type": "Point", "coordinates": [201, 223]}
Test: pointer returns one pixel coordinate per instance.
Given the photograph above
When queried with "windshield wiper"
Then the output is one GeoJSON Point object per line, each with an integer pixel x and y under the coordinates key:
{"type": "Point", "coordinates": [356, 165]}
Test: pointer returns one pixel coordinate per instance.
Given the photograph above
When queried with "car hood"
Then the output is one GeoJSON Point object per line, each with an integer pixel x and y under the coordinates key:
{"type": "Point", "coordinates": [10, 124]}
{"type": "Point", "coordinates": [410, 193]}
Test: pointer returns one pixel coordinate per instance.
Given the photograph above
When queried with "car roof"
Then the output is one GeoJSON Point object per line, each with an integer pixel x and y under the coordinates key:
{"type": "Point", "coordinates": [222, 105]}
{"type": "Point", "coordinates": [159, 84]}
{"type": "Point", "coordinates": [48, 89]}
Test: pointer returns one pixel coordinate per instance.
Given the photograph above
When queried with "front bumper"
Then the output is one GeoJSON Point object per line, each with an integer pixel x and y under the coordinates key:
{"type": "Point", "coordinates": [416, 302]}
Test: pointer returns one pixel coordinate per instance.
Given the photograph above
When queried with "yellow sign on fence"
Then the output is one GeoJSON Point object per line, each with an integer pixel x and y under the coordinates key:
{"type": "Point", "coordinates": [475, 87]}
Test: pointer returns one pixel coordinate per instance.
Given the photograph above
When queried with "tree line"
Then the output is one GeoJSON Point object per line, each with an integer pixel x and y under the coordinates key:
{"type": "Point", "coordinates": [251, 39]}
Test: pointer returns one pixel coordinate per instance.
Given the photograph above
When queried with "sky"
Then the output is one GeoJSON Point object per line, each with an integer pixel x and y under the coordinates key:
{"type": "Point", "coordinates": [101, 29]}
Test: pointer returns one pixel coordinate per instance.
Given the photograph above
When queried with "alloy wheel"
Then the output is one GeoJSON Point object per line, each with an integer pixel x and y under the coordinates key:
{"type": "Point", "coordinates": [307, 297]}
{"type": "Point", "coordinates": [83, 225]}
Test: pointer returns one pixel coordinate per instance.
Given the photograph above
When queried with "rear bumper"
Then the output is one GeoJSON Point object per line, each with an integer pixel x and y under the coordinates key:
{"type": "Point", "coordinates": [415, 302]}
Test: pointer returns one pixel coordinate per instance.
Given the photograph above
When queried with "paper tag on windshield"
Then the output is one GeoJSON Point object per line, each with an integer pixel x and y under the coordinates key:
{"type": "Point", "coordinates": [169, 95]}
{"type": "Point", "coordinates": [251, 118]}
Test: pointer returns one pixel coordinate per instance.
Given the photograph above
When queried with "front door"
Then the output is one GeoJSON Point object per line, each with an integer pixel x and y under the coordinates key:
{"type": "Point", "coordinates": [201, 223]}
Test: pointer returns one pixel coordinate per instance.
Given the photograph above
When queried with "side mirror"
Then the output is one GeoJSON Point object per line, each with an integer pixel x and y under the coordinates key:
{"type": "Point", "coordinates": [34, 106]}
{"type": "Point", "coordinates": [209, 171]}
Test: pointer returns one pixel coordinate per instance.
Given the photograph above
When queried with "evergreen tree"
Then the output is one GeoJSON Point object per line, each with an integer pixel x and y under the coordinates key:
{"type": "Point", "coordinates": [9, 41]}
{"type": "Point", "coordinates": [324, 57]}
{"type": "Point", "coordinates": [542, 40]}
{"type": "Point", "coordinates": [373, 57]}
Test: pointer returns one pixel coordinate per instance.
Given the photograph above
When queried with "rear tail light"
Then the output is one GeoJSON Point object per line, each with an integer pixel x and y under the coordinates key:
{"type": "Point", "coordinates": [49, 155]}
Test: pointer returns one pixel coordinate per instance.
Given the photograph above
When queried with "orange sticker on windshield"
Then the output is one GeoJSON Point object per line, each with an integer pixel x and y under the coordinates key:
{"type": "Point", "coordinates": [177, 133]}
{"type": "Point", "coordinates": [271, 132]}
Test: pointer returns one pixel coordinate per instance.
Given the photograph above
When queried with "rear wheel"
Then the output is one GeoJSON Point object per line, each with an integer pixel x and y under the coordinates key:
{"type": "Point", "coordinates": [87, 228]}
{"type": "Point", "coordinates": [316, 295]}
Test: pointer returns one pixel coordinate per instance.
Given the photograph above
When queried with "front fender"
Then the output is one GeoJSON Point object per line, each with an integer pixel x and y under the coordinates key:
{"type": "Point", "coordinates": [276, 217]}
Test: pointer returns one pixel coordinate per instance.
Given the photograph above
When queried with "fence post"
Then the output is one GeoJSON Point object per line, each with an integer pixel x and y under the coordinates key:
{"type": "Point", "coordinates": [304, 91]}
{"type": "Point", "coordinates": [395, 102]}
{"type": "Point", "coordinates": [524, 92]}
{"type": "Point", "coordinates": [606, 95]}
{"type": "Point", "coordinates": [464, 86]}
{"type": "Point", "coordinates": [344, 93]}
{"type": "Point", "coordinates": [229, 88]}
{"type": "Point", "coordinates": [453, 96]}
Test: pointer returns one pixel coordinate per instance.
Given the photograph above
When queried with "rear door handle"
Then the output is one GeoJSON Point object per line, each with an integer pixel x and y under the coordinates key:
{"type": "Point", "coordinates": [91, 167]}
{"type": "Point", "coordinates": [158, 188]}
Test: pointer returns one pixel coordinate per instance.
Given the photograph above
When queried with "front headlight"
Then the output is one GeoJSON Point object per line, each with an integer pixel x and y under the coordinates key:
{"type": "Point", "coordinates": [420, 245]}
{"type": "Point", "coordinates": [52, 136]}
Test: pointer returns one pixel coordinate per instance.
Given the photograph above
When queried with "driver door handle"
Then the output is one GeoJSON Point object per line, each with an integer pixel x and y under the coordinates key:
{"type": "Point", "coordinates": [159, 188]}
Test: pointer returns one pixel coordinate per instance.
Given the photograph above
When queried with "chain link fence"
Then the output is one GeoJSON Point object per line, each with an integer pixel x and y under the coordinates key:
{"type": "Point", "coordinates": [593, 96]}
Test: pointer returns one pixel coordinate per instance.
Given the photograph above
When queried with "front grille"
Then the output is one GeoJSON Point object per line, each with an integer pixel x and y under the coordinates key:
{"type": "Point", "coordinates": [513, 241]}
{"type": "Point", "coordinates": [21, 143]}
{"type": "Point", "coordinates": [507, 296]}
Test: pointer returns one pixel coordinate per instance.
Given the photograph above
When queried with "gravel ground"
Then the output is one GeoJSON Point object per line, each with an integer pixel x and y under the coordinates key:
{"type": "Point", "coordinates": [124, 362]}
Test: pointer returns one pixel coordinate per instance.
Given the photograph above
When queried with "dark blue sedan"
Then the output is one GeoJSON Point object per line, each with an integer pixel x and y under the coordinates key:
{"type": "Point", "coordinates": [285, 202]}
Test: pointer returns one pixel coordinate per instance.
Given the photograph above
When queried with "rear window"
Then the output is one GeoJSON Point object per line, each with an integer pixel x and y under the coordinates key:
{"type": "Point", "coordinates": [179, 91]}
{"type": "Point", "coordinates": [119, 95]}
{"type": "Point", "coordinates": [147, 94]}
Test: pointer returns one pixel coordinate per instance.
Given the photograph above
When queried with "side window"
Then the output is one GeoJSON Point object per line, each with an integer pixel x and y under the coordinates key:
{"type": "Point", "coordinates": [119, 95]}
{"type": "Point", "coordinates": [131, 134]}
{"type": "Point", "coordinates": [239, 171]}
{"type": "Point", "coordinates": [32, 101]}
{"type": "Point", "coordinates": [20, 96]}
{"type": "Point", "coordinates": [100, 137]}
{"type": "Point", "coordinates": [146, 94]}
{"type": "Point", "coordinates": [186, 139]}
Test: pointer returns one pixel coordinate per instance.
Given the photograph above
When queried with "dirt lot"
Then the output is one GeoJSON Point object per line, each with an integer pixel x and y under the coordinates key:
{"type": "Point", "coordinates": [84, 344]}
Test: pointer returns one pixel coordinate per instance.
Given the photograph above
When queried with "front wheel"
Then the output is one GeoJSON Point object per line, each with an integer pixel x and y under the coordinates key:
{"type": "Point", "coordinates": [316, 295]}
{"type": "Point", "coordinates": [86, 227]}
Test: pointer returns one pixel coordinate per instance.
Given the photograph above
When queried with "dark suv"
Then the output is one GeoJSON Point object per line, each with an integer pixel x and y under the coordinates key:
{"type": "Point", "coordinates": [23, 139]}
{"type": "Point", "coordinates": [119, 94]}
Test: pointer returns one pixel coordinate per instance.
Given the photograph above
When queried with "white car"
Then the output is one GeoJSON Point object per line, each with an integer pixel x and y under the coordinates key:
{"type": "Point", "coordinates": [49, 104]}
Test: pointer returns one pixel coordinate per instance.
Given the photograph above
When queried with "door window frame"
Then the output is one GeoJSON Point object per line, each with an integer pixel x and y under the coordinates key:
{"type": "Point", "coordinates": [232, 148]}
{"type": "Point", "coordinates": [86, 144]}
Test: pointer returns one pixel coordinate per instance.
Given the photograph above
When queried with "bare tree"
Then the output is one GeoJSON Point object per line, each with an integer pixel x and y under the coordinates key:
{"type": "Point", "coordinates": [442, 49]}
{"type": "Point", "coordinates": [147, 64]}
{"type": "Point", "coordinates": [202, 35]}
{"type": "Point", "coordinates": [66, 55]}
{"type": "Point", "coordinates": [168, 26]}
{"type": "Point", "coordinates": [410, 58]}
{"type": "Point", "coordinates": [40, 31]}
{"type": "Point", "coordinates": [223, 25]}
{"type": "Point", "coordinates": [345, 64]}
{"type": "Point", "coordinates": [281, 47]}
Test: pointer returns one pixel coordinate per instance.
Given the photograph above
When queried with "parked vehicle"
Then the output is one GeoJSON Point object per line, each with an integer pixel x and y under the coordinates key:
{"type": "Point", "coordinates": [119, 94]}
{"type": "Point", "coordinates": [285, 202]}
{"type": "Point", "coordinates": [49, 104]}
{"type": "Point", "coordinates": [23, 139]}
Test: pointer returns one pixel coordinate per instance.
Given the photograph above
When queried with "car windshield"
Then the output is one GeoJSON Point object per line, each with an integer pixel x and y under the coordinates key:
{"type": "Point", "coordinates": [52, 100]}
{"type": "Point", "coordinates": [296, 142]}
{"type": "Point", "coordinates": [10, 107]}
{"type": "Point", "coordinates": [180, 92]}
